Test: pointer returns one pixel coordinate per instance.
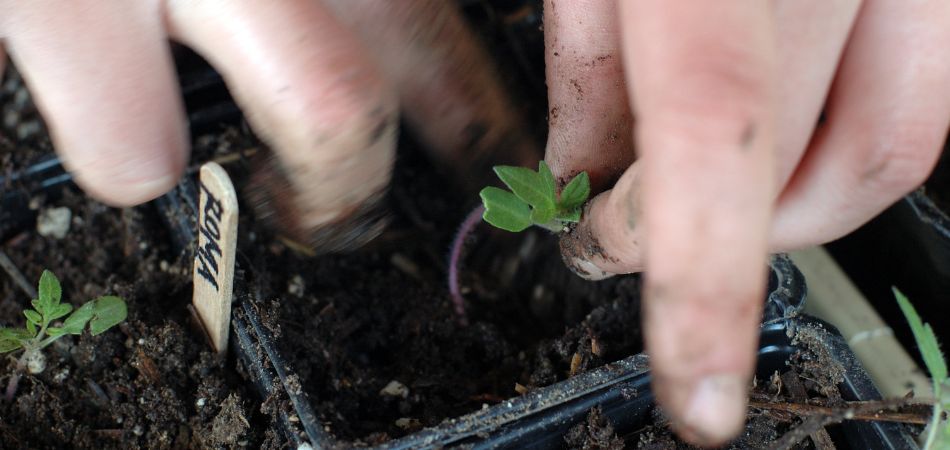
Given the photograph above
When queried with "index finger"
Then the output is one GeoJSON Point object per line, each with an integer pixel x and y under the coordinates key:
{"type": "Point", "coordinates": [702, 92]}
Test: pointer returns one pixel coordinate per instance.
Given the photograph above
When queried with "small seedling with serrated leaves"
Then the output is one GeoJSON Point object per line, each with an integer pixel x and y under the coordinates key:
{"type": "Point", "coordinates": [99, 314]}
{"type": "Point", "coordinates": [534, 199]}
{"type": "Point", "coordinates": [938, 431]}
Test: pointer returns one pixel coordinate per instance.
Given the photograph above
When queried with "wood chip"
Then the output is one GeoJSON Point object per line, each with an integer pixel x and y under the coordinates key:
{"type": "Point", "coordinates": [575, 363]}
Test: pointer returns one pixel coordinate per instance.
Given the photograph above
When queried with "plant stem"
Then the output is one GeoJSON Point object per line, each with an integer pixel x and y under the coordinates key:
{"type": "Point", "coordinates": [553, 226]}
{"type": "Point", "coordinates": [455, 260]}
{"type": "Point", "coordinates": [15, 378]}
{"type": "Point", "coordinates": [934, 424]}
{"type": "Point", "coordinates": [871, 410]}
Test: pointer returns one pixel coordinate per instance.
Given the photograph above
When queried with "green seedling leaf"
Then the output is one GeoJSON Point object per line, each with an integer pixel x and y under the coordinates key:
{"type": "Point", "coordinates": [505, 210]}
{"type": "Point", "coordinates": [50, 291]}
{"type": "Point", "coordinates": [547, 180]}
{"type": "Point", "coordinates": [933, 357]}
{"type": "Point", "coordinates": [938, 434]}
{"type": "Point", "coordinates": [13, 338]}
{"type": "Point", "coordinates": [926, 339]}
{"type": "Point", "coordinates": [571, 216]}
{"type": "Point", "coordinates": [9, 345]}
{"type": "Point", "coordinates": [100, 314]}
{"type": "Point", "coordinates": [575, 193]}
{"type": "Point", "coordinates": [75, 323]}
{"type": "Point", "coordinates": [541, 216]}
{"type": "Point", "coordinates": [18, 334]}
{"type": "Point", "coordinates": [108, 312]}
{"type": "Point", "coordinates": [33, 317]}
{"type": "Point", "coordinates": [533, 199]}
{"type": "Point", "coordinates": [527, 185]}
{"type": "Point", "coordinates": [59, 310]}
{"type": "Point", "coordinates": [55, 331]}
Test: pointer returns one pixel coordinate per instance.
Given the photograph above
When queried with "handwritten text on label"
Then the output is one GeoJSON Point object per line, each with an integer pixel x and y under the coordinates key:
{"type": "Point", "coordinates": [209, 254]}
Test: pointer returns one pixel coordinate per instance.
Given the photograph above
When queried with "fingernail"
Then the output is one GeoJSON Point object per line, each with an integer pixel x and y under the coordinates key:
{"type": "Point", "coordinates": [141, 191]}
{"type": "Point", "coordinates": [588, 270]}
{"type": "Point", "coordinates": [716, 411]}
{"type": "Point", "coordinates": [121, 193]}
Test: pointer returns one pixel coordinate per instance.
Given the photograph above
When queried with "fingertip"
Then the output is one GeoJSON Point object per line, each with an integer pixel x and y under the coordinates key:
{"type": "Point", "coordinates": [607, 241]}
{"type": "Point", "coordinates": [701, 341]}
{"type": "Point", "coordinates": [580, 245]}
{"type": "Point", "coordinates": [586, 269]}
{"type": "Point", "coordinates": [102, 76]}
{"type": "Point", "coordinates": [125, 164]}
{"type": "Point", "coordinates": [123, 177]}
{"type": "Point", "coordinates": [715, 411]}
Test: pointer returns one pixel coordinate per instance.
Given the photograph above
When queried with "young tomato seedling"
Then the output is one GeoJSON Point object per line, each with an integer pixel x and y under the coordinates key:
{"type": "Point", "coordinates": [533, 199]}
{"type": "Point", "coordinates": [938, 431]}
{"type": "Point", "coordinates": [100, 314]}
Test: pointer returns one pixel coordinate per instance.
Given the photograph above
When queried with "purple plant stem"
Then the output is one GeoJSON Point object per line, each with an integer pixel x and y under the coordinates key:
{"type": "Point", "coordinates": [12, 387]}
{"type": "Point", "coordinates": [15, 378]}
{"type": "Point", "coordinates": [455, 260]}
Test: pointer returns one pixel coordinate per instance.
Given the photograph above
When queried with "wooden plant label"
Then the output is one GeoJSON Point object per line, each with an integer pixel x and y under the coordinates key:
{"type": "Point", "coordinates": [214, 257]}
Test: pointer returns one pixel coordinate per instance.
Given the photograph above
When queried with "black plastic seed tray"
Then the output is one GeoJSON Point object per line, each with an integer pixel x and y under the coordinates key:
{"type": "Point", "coordinates": [17, 188]}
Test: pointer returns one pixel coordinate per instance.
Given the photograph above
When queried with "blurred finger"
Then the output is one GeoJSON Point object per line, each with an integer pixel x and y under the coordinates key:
{"type": "Point", "coordinates": [101, 75]}
{"type": "Point", "coordinates": [703, 92]}
{"type": "Point", "coordinates": [589, 118]}
{"type": "Point", "coordinates": [448, 85]}
{"type": "Point", "coordinates": [310, 90]}
{"type": "Point", "coordinates": [887, 119]}
{"type": "Point", "coordinates": [811, 37]}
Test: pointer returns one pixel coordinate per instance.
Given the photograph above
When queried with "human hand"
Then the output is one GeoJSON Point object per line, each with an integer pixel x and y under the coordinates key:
{"type": "Point", "coordinates": [726, 97]}
{"type": "Point", "coordinates": [320, 82]}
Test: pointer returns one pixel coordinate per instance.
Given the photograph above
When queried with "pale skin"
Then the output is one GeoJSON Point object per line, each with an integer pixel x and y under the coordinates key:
{"type": "Point", "coordinates": [716, 102]}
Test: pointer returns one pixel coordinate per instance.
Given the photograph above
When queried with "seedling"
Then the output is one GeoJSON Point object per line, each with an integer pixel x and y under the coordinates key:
{"type": "Point", "coordinates": [938, 431]}
{"type": "Point", "coordinates": [533, 199]}
{"type": "Point", "coordinates": [99, 314]}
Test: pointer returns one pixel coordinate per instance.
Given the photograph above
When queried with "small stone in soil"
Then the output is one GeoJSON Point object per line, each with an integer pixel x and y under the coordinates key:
{"type": "Point", "coordinates": [54, 222]}
{"type": "Point", "coordinates": [395, 389]}
{"type": "Point", "coordinates": [295, 286]}
{"type": "Point", "coordinates": [408, 423]}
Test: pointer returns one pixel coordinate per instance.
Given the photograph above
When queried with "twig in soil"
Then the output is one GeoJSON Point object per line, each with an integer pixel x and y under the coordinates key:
{"type": "Point", "coordinates": [101, 396]}
{"type": "Point", "coordinates": [793, 384]}
{"type": "Point", "coordinates": [16, 275]}
{"type": "Point", "coordinates": [115, 433]}
{"type": "Point", "coordinates": [455, 257]}
{"type": "Point", "coordinates": [818, 417]}
{"type": "Point", "coordinates": [822, 440]}
{"type": "Point", "coordinates": [874, 410]}
{"type": "Point", "coordinates": [799, 433]}
{"type": "Point", "coordinates": [227, 158]}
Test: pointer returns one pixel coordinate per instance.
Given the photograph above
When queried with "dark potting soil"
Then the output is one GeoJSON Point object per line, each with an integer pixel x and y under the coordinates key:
{"type": "Point", "coordinates": [150, 382]}
{"type": "Point", "coordinates": [811, 376]}
{"type": "Point", "coordinates": [374, 336]}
